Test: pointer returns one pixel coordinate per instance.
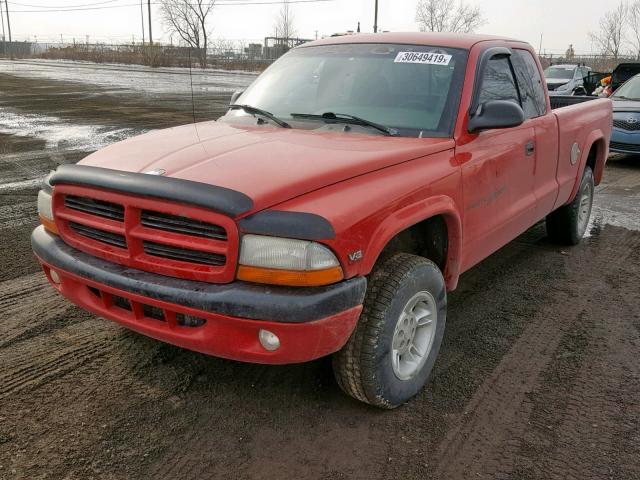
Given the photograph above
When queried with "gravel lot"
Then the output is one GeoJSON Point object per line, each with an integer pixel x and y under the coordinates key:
{"type": "Point", "coordinates": [538, 375]}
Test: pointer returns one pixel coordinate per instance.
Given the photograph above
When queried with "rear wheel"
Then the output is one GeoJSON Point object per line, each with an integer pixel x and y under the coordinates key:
{"type": "Point", "coordinates": [568, 224]}
{"type": "Point", "coordinates": [390, 354]}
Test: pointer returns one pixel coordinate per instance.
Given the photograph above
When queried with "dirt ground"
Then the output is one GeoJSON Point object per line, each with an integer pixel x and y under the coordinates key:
{"type": "Point", "coordinates": [538, 376]}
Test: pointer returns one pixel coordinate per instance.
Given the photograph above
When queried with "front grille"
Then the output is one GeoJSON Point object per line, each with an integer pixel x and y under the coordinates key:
{"type": "Point", "coordinates": [183, 254]}
{"type": "Point", "coordinates": [627, 147]}
{"type": "Point", "coordinates": [624, 125]}
{"type": "Point", "coordinates": [99, 208]}
{"type": "Point", "coordinates": [184, 225]}
{"type": "Point", "coordinates": [99, 235]}
{"type": "Point", "coordinates": [147, 234]}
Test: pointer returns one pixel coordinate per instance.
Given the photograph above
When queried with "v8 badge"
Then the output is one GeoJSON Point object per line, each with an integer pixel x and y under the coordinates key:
{"type": "Point", "coordinates": [355, 256]}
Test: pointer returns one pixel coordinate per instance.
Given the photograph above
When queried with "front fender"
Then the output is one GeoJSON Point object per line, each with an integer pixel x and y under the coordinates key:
{"type": "Point", "coordinates": [409, 216]}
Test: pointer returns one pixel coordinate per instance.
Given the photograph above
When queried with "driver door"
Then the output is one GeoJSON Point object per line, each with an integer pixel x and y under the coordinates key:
{"type": "Point", "coordinates": [498, 168]}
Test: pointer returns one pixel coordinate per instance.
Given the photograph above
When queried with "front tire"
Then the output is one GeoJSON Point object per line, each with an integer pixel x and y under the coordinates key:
{"type": "Point", "coordinates": [392, 351]}
{"type": "Point", "coordinates": [567, 224]}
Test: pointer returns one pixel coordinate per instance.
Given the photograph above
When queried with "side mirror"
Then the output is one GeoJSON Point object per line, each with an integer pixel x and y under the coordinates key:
{"type": "Point", "coordinates": [496, 114]}
{"type": "Point", "coordinates": [235, 96]}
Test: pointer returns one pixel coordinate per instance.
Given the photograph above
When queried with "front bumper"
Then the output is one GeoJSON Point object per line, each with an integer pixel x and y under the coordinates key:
{"type": "Point", "coordinates": [310, 322]}
{"type": "Point", "coordinates": [623, 141]}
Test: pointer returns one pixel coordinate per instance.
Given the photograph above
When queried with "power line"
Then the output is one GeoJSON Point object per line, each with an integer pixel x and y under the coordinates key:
{"type": "Point", "coordinates": [65, 6]}
{"type": "Point", "coordinates": [228, 3]}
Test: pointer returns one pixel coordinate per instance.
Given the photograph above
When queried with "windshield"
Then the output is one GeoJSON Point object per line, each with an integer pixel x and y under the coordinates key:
{"type": "Point", "coordinates": [630, 90]}
{"type": "Point", "coordinates": [414, 90]}
{"type": "Point", "coordinates": [559, 73]}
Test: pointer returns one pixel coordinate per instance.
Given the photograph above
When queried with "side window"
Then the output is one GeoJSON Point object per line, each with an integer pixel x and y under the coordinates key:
{"type": "Point", "coordinates": [497, 82]}
{"type": "Point", "coordinates": [534, 102]}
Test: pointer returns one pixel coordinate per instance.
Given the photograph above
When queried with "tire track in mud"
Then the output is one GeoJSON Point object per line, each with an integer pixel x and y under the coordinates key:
{"type": "Point", "coordinates": [58, 342]}
{"type": "Point", "coordinates": [42, 369]}
{"type": "Point", "coordinates": [548, 383]}
{"type": "Point", "coordinates": [21, 315]}
{"type": "Point", "coordinates": [242, 427]}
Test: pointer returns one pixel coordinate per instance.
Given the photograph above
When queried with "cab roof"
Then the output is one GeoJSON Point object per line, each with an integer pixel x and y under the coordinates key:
{"type": "Point", "coordinates": [453, 40]}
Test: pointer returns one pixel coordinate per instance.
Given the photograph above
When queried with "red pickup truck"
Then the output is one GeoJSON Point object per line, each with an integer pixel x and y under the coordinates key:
{"type": "Point", "coordinates": [331, 209]}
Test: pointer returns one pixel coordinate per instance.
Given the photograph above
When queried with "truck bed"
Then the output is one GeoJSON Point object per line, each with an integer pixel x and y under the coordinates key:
{"type": "Point", "coordinates": [560, 101]}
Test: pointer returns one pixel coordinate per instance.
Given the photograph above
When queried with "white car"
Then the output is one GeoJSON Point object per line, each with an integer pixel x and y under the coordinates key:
{"type": "Point", "coordinates": [566, 79]}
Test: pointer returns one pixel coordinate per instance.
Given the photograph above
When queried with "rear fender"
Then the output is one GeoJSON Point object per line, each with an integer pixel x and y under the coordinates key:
{"type": "Point", "coordinates": [409, 216]}
{"type": "Point", "coordinates": [594, 138]}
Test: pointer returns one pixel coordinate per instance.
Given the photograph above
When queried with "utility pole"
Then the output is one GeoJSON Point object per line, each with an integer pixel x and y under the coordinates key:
{"type": "Point", "coordinates": [6, 5]}
{"type": "Point", "coordinates": [150, 33]}
{"type": "Point", "coordinates": [540, 47]}
{"type": "Point", "coordinates": [2, 18]}
{"type": "Point", "coordinates": [375, 22]}
{"type": "Point", "coordinates": [142, 20]}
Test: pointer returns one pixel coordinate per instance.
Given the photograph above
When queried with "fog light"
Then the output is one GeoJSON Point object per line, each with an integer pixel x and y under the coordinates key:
{"type": "Point", "coordinates": [269, 340]}
{"type": "Point", "coordinates": [54, 276]}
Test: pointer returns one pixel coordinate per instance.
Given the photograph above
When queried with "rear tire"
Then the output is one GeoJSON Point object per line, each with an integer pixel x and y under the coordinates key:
{"type": "Point", "coordinates": [394, 346]}
{"type": "Point", "coordinates": [568, 223]}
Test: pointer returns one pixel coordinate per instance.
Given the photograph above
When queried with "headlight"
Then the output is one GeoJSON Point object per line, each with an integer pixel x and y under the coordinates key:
{"type": "Point", "coordinates": [563, 87]}
{"type": "Point", "coordinates": [45, 212]}
{"type": "Point", "coordinates": [285, 261]}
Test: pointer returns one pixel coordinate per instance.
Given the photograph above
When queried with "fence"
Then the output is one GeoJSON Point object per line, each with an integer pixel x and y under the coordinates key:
{"type": "Point", "coordinates": [598, 62]}
{"type": "Point", "coordinates": [224, 55]}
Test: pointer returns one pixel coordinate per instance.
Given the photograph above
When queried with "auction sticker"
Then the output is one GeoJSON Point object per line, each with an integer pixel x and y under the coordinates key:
{"type": "Point", "coordinates": [423, 57]}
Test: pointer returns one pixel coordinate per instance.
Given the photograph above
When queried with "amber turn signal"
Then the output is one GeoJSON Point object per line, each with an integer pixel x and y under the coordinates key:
{"type": "Point", "coordinates": [48, 224]}
{"type": "Point", "coordinates": [311, 278]}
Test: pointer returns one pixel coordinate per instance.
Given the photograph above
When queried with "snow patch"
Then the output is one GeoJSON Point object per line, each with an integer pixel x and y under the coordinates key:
{"type": "Point", "coordinates": [59, 133]}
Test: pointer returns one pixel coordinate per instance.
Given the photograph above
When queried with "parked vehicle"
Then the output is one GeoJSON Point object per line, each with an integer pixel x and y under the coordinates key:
{"type": "Point", "coordinates": [566, 79]}
{"type": "Point", "coordinates": [625, 137]}
{"type": "Point", "coordinates": [333, 207]}
{"type": "Point", "coordinates": [620, 75]}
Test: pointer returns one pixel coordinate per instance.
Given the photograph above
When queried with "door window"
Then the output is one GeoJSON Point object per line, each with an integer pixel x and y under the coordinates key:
{"type": "Point", "coordinates": [534, 102]}
{"type": "Point", "coordinates": [498, 82]}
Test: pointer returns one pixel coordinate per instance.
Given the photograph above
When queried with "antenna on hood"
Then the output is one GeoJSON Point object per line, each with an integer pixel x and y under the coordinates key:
{"type": "Point", "coordinates": [193, 104]}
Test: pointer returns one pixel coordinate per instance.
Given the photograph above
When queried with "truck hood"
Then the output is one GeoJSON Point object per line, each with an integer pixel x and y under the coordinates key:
{"type": "Point", "coordinates": [269, 164]}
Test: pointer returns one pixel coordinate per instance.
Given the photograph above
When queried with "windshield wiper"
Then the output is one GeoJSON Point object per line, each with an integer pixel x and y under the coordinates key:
{"type": "Point", "coordinates": [346, 118]}
{"type": "Point", "coordinates": [258, 111]}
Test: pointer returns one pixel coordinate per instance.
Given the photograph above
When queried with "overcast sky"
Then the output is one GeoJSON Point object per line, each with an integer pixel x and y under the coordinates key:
{"type": "Point", "coordinates": [560, 22]}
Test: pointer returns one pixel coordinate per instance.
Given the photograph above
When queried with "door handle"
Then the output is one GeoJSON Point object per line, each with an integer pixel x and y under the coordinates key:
{"type": "Point", "coordinates": [530, 148]}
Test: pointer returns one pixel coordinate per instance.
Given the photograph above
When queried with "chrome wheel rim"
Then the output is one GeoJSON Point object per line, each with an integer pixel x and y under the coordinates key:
{"type": "Point", "coordinates": [584, 209]}
{"type": "Point", "coordinates": [414, 334]}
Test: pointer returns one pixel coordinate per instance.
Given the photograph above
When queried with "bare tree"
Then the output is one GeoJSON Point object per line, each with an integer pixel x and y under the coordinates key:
{"type": "Point", "coordinates": [610, 37]}
{"type": "Point", "coordinates": [448, 16]}
{"type": "Point", "coordinates": [633, 22]}
{"type": "Point", "coordinates": [188, 18]}
{"type": "Point", "coordinates": [284, 26]}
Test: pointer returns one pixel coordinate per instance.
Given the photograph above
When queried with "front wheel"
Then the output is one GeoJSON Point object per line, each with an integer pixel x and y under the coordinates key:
{"type": "Point", "coordinates": [390, 354]}
{"type": "Point", "coordinates": [568, 224]}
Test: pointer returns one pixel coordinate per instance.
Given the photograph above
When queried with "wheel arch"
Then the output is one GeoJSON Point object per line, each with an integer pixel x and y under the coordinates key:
{"type": "Point", "coordinates": [593, 155]}
{"type": "Point", "coordinates": [436, 216]}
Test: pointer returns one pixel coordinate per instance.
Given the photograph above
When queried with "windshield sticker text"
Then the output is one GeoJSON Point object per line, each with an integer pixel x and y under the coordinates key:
{"type": "Point", "coordinates": [423, 57]}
